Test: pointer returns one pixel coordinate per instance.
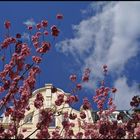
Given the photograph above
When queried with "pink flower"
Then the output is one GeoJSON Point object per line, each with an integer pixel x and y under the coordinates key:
{"type": "Point", "coordinates": [79, 86]}
{"type": "Point", "coordinates": [38, 103]}
{"type": "Point", "coordinates": [18, 35]}
{"type": "Point", "coordinates": [3, 58]}
{"type": "Point", "coordinates": [65, 115]}
{"type": "Point", "coordinates": [39, 135]}
{"type": "Point", "coordinates": [36, 44]}
{"type": "Point", "coordinates": [7, 24]}
{"type": "Point", "coordinates": [105, 66]}
{"type": "Point", "coordinates": [60, 99]}
{"type": "Point", "coordinates": [86, 104]}
{"type": "Point", "coordinates": [82, 115]}
{"type": "Point", "coordinates": [45, 47]}
{"type": "Point", "coordinates": [72, 124]}
{"type": "Point", "coordinates": [38, 34]}
{"type": "Point", "coordinates": [65, 124]}
{"type": "Point", "coordinates": [36, 59]}
{"type": "Point", "coordinates": [105, 93]}
{"type": "Point", "coordinates": [55, 30]}
{"type": "Point", "coordinates": [107, 89]}
{"type": "Point", "coordinates": [30, 27]}
{"type": "Point", "coordinates": [79, 135]}
{"type": "Point", "coordinates": [44, 23]}
{"type": "Point", "coordinates": [60, 96]}
{"type": "Point", "coordinates": [46, 33]}
{"type": "Point", "coordinates": [27, 66]}
{"type": "Point", "coordinates": [2, 89]}
{"type": "Point", "coordinates": [95, 99]}
{"type": "Point", "coordinates": [58, 102]}
{"type": "Point", "coordinates": [85, 78]}
{"type": "Point", "coordinates": [24, 130]}
{"type": "Point", "coordinates": [7, 42]}
{"type": "Point", "coordinates": [87, 71]}
{"type": "Point", "coordinates": [72, 116]}
{"type": "Point", "coordinates": [9, 110]}
{"type": "Point", "coordinates": [137, 131]}
{"type": "Point", "coordinates": [25, 51]}
{"type": "Point", "coordinates": [105, 69]}
{"type": "Point", "coordinates": [38, 26]}
{"type": "Point", "coordinates": [59, 16]}
{"type": "Point", "coordinates": [6, 84]}
{"type": "Point", "coordinates": [28, 108]}
{"type": "Point", "coordinates": [73, 77]}
{"type": "Point", "coordinates": [34, 38]}
{"type": "Point", "coordinates": [71, 99]}
{"type": "Point", "coordinates": [114, 90]}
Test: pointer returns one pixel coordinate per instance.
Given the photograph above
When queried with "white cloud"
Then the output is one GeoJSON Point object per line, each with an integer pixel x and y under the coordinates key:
{"type": "Point", "coordinates": [109, 37]}
{"type": "Point", "coordinates": [125, 93]}
{"type": "Point", "coordinates": [29, 22]}
{"type": "Point", "coordinates": [26, 36]}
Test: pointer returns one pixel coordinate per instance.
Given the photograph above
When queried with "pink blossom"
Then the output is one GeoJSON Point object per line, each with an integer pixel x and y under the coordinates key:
{"type": "Point", "coordinates": [55, 31]}
{"type": "Point", "coordinates": [7, 24]}
{"type": "Point", "coordinates": [72, 116]}
{"type": "Point", "coordinates": [38, 26]}
{"type": "Point", "coordinates": [79, 86]}
{"type": "Point", "coordinates": [30, 27]}
{"type": "Point", "coordinates": [46, 33]}
{"type": "Point", "coordinates": [114, 90]}
{"type": "Point", "coordinates": [36, 59]}
{"type": "Point", "coordinates": [44, 23]}
{"type": "Point", "coordinates": [73, 77]}
{"type": "Point", "coordinates": [82, 115]}
{"type": "Point", "coordinates": [59, 16]}
{"type": "Point", "coordinates": [45, 47]}
{"type": "Point", "coordinates": [38, 34]}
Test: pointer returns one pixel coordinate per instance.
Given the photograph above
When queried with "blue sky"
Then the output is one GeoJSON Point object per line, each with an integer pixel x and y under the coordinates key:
{"type": "Point", "coordinates": [76, 49]}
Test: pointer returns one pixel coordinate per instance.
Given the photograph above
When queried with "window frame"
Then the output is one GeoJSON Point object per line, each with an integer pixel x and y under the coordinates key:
{"type": "Point", "coordinates": [29, 115]}
{"type": "Point", "coordinates": [55, 122]}
{"type": "Point", "coordinates": [48, 101]}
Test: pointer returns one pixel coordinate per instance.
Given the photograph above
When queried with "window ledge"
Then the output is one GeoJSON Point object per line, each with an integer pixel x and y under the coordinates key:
{"type": "Point", "coordinates": [29, 123]}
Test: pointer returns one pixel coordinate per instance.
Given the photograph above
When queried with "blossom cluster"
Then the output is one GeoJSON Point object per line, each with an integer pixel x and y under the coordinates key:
{"type": "Point", "coordinates": [19, 73]}
{"type": "Point", "coordinates": [18, 80]}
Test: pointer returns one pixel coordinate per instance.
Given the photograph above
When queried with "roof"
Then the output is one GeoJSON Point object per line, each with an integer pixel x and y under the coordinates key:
{"type": "Point", "coordinates": [48, 86]}
{"type": "Point", "coordinates": [125, 113]}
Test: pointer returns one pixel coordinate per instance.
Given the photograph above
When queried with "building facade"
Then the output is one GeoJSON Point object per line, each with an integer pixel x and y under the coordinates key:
{"type": "Point", "coordinates": [32, 115]}
{"type": "Point", "coordinates": [50, 96]}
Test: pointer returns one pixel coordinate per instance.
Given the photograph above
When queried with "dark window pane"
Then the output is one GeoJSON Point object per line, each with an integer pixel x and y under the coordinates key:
{"type": "Point", "coordinates": [53, 123]}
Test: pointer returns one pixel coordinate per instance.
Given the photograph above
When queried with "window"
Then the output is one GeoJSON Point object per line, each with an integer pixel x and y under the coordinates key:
{"type": "Point", "coordinates": [6, 120]}
{"type": "Point", "coordinates": [1, 119]}
{"type": "Point", "coordinates": [95, 116]}
{"type": "Point", "coordinates": [53, 122]}
{"type": "Point", "coordinates": [28, 118]}
{"type": "Point", "coordinates": [48, 102]}
{"type": "Point", "coordinates": [112, 116]}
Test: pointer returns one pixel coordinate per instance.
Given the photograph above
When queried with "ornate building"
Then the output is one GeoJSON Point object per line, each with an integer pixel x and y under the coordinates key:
{"type": "Point", "coordinates": [32, 116]}
{"type": "Point", "coordinates": [50, 96]}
